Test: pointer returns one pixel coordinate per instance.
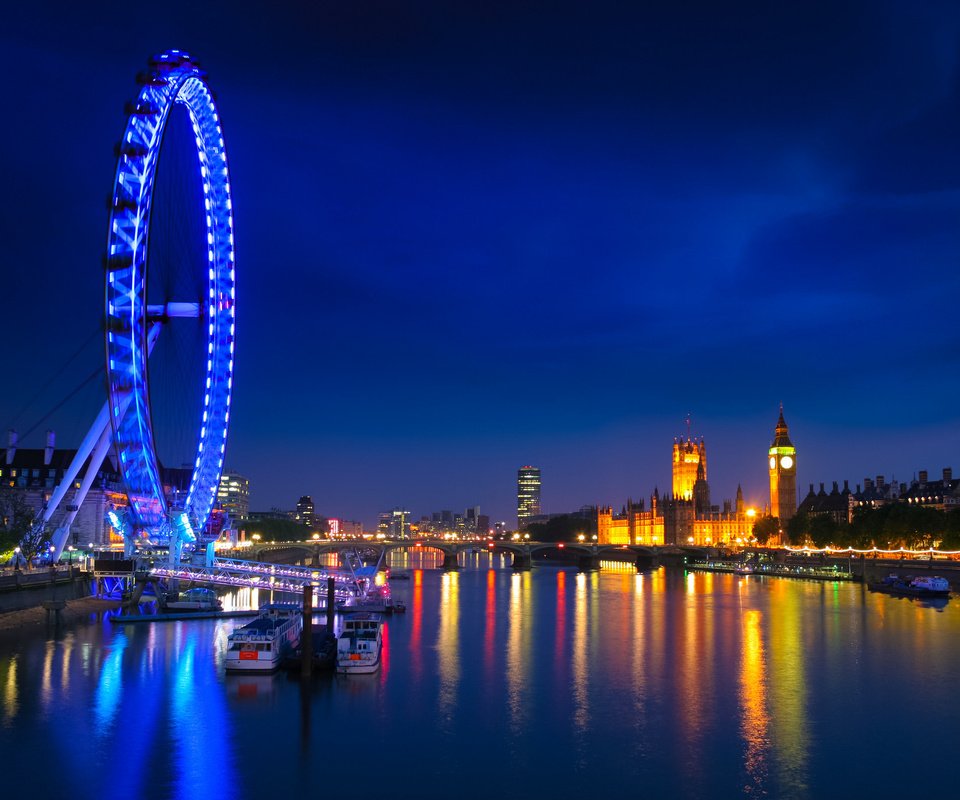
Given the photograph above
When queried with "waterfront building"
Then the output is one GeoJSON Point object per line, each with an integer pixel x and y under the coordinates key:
{"type": "Point", "coordinates": [837, 504]}
{"type": "Point", "coordinates": [233, 495]}
{"type": "Point", "coordinates": [35, 473]}
{"type": "Point", "coordinates": [528, 495]}
{"type": "Point", "coordinates": [685, 517]}
{"type": "Point", "coordinates": [942, 494]}
{"type": "Point", "coordinates": [782, 464]}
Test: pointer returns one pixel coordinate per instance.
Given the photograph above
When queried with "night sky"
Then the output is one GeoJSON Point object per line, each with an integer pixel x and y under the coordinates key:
{"type": "Point", "coordinates": [472, 236]}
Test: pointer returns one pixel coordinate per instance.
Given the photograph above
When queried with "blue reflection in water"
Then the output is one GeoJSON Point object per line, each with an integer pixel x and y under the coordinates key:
{"type": "Point", "coordinates": [198, 724]}
{"type": "Point", "coordinates": [109, 687]}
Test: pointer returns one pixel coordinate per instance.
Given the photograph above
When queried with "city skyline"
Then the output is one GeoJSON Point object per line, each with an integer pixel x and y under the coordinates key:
{"type": "Point", "coordinates": [479, 237]}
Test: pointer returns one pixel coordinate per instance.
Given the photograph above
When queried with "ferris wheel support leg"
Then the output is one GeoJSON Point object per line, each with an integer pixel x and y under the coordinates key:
{"type": "Point", "coordinates": [59, 539]}
{"type": "Point", "coordinates": [95, 445]}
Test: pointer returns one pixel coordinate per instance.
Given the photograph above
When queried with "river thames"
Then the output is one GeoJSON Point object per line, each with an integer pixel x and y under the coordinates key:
{"type": "Point", "coordinates": [549, 683]}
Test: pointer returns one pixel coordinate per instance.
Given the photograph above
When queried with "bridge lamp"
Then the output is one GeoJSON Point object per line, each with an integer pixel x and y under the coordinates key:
{"type": "Point", "coordinates": [580, 537]}
{"type": "Point", "coordinates": [316, 536]}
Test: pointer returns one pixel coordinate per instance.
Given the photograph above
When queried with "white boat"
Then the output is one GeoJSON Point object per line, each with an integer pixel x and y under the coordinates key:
{"type": "Point", "coordinates": [261, 644]}
{"type": "Point", "coordinates": [360, 643]}
{"type": "Point", "coordinates": [197, 599]}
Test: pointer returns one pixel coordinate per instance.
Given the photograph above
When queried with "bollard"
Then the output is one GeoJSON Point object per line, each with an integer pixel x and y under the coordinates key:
{"type": "Point", "coordinates": [306, 635]}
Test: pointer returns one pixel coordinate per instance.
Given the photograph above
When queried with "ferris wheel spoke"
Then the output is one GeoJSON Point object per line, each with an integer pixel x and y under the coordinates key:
{"type": "Point", "coordinates": [162, 311]}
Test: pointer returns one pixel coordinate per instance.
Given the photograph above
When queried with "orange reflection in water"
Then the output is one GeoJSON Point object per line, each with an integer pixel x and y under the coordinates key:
{"type": "Point", "coordinates": [754, 721]}
{"type": "Point", "coordinates": [561, 621]}
{"type": "Point", "coordinates": [416, 627]}
{"type": "Point", "coordinates": [11, 696]}
{"type": "Point", "coordinates": [788, 690]}
{"type": "Point", "coordinates": [448, 645]}
{"type": "Point", "coordinates": [581, 706]}
{"type": "Point", "coordinates": [490, 626]}
{"type": "Point", "coordinates": [518, 650]}
{"type": "Point", "coordinates": [385, 653]}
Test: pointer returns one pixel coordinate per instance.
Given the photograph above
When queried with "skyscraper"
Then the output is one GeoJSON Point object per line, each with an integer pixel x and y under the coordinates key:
{"type": "Point", "coordinates": [783, 473]}
{"type": "Point", "coordinates": [233, 495]}
{"type": "Point", "coordinates": [304, 512]}
{"type": "Point", "coordinates": [528, 495]}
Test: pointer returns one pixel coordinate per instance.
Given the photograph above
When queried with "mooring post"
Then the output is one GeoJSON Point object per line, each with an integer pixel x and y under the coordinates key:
{"type": "Point", "coordinates": [330, 605]}
{"type": "Point", "coordinates": [306, 636]}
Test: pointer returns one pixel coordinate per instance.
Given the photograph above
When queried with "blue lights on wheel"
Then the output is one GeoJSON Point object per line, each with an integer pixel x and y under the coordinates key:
{"type": "Point", "coordinates": [131, 331]}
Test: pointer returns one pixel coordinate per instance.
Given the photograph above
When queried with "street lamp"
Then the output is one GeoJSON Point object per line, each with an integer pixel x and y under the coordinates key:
{"type": "Point", "coordinates": [16, 559]}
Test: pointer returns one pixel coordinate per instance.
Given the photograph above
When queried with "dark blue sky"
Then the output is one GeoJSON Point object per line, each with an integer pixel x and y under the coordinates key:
{"type": "Point", "coordinates": [478, 235]}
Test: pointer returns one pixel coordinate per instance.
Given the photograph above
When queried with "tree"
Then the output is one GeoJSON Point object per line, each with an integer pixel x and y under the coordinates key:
{"type": "Point", "coordinates": [563, 528]}
{"type": "Point", "coordinates": [765, 528]}
{"type": "Point", "coordinates": [822, 530]}
{"type": "Point", "coordinates": [16, 519]}
{"type": "Point", "coordinates": [797, 528]}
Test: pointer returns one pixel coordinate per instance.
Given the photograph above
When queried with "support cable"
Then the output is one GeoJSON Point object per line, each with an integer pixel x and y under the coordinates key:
{"type": "Point", "coordinates": [98, 372]}
{"type": "Point", "coordinates": [55, 375]}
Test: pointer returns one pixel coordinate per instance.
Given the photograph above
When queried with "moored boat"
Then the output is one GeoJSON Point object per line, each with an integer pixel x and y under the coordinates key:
{"type": "Point", "coordinates": [360, 643]}
{"type": "Point", "coordinates": [196, 599]}
{"type": "Point", "coordinates": [922, 586]}
{"type": "Point", "coordinates": [261, 644]}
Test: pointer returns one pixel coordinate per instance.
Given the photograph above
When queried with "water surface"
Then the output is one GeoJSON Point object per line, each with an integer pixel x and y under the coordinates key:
{"type": "Point", "coordinates": [550, 683]}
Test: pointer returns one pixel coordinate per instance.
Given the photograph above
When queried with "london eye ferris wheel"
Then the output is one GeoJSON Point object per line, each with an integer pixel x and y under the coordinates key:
{"type": "Point", "coordinates": [143, 302]}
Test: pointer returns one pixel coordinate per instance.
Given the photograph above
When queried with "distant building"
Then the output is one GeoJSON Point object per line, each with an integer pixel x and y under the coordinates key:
{"type": "Point", "coordinates": [273, 513]}
{"type": "Point", "coordinates": [233, 495]}
{"type": "Point", "coordinates": [782, 463]}
{"type": "Point", "coordinates": [304, 513]}
{"type": "Point", "coordinates": [393, 524]}
{"type": "Point", "coordinates": [528, 495]}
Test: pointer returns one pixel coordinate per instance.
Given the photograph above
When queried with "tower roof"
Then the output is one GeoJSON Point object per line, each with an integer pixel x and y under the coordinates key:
{"type": "Point", "coordinates": [782, 438]}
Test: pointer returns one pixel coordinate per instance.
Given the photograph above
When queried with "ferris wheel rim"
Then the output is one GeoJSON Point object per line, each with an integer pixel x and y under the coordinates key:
{"type": "Point", "coordinates": [174, 78]}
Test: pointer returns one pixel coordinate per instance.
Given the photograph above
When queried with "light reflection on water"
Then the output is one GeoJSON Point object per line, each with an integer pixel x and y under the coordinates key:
{"type": "Point", "coordinates": [695, 684]}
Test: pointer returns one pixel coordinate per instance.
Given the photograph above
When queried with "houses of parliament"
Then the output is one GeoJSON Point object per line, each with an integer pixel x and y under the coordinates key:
{"type": "Point", "coordinates": [686, 515]}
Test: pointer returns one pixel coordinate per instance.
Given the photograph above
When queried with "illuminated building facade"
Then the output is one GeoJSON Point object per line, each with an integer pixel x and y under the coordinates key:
{"type": "Point", "coordinates": [689, 458]}
{"type": "Point", "coordinates": [528, 495]}
{"type": "Point", "coordinates": [233, 496]}
{"type": "Point", "coordinates": [782, 463]}
{"type": "Point", "coordinates": [686, 517]}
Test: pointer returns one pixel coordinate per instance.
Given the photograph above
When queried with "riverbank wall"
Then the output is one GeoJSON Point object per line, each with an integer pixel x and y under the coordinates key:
{"type": "Point", "coordinates": [22, 589]}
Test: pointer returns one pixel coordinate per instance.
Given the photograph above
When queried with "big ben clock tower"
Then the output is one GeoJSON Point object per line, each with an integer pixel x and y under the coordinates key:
{"type": "Point", "coordinates": [783, 474]}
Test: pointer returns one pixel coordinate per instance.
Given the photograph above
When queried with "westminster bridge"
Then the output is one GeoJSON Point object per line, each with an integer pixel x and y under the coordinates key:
{"type": "Point", "coordinates": [523, 553]}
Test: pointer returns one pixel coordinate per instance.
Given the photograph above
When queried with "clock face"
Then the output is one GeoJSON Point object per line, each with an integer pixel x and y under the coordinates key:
{"type": "Point", "coordinates": [786, 462]}
{"type": "Point", "coordinates": [773, 462]}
